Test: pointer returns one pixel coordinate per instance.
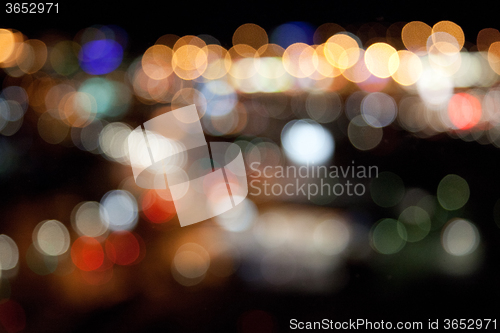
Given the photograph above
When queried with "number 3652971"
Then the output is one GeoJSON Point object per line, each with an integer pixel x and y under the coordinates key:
{"type": "Point", "coordinates": [31, 8]}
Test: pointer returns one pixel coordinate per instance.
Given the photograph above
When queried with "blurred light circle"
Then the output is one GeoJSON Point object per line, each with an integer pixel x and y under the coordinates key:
{"type": "Point", "coordinates": [9, 253]}
{"type": "Point", "coordinates": [157, 205]}
{"type": "Point", "coordinates": [87, 253]}
{"type": "Point", "coordinates": [453, 192]}
{"type": "Point", "coordinates": [460, 237]}
{"type": "Point", "coordinates": [239, 218]}
{"type": "Point", "coordinates": [122, 247]}
{"type": "Point", "coordinates": [386, 236]}
{"type": "Point", "coordinates": [293, 32]}
{"type": "Point", "coordinates": [51, 238]}
{"type": "Point", "coordinates": [113, 141]}
{"type": "Point", "coordinates": [414, 35]}
{"type": "Point", "coordinates": [7, 44]}
{"type": "Point", "coordinates": [190, 264]}
{"type": "Point", "coordinates": [382, 60]}
{"type": "Point", "coordinates": [119, 210]}
{"type": "Point", "coordinates": [434, 87]}
{"type": "Point", "coordinates": [157, 62]}
{"type": "Point", "coordinates": [100, 56]}
{"type": "Point", "coordinates": [331, 237]}
{"type": "Point", "coordinates": [221, 98]}
{"type": "Point", "coordinates": [324, 107]}
{"type": "Point", "coordinates": [464, 111]}
{"type": "Point", "coordinates": [250, 34]}
{"type": "Point", "coordinates": [378, 109]}
{"type": "Point", "coordinates": [409, 70]}
{"type": "Point", "coordinates": [272, 230]}
{"type": "Point", "coordinates": [305, 141]}
{"type": "Point", "coordinates": [104, 93]}
{"type": "Point", "coordinates": [362, 135]}
{"type": "Point", "coordinates": [342, 50]}
{"type": "Point", "coordinates": [417, 224]}
{"type": "Point", "coordinates": [87, 221]}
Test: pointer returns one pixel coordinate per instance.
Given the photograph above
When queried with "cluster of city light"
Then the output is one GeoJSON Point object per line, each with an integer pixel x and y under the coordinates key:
{"type": "Point", "coordinates": [82, 91]}
{"type": "Point", "coordinates": [79, 87]}
{"type": "Point", "coordinates": [420, 213]}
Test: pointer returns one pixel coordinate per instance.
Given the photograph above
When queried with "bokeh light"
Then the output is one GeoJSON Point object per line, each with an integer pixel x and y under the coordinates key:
{"type": "Point", "coordinates": [386, 236]}
{"type": "Point", "coordinates": [9, 253]}
{"type": "Point", "coordinates": [307, 142]}
{"type": "Point", "coordinates": [460, 237]}
{"type": "Point", "coordinates": [87, 253]}
{"type": "Point", "coordinates": [453, 192]}
{"type": "Point", "coordinates": [119, 210]}
{"type": "Point", "coordinates": [100, 56]}
{"type": "Point", "coordinates": [51, 238]}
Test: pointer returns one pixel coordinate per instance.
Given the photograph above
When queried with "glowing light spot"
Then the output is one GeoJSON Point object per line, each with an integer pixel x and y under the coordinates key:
{"type": "Point", "coordinates": [494, 57]}
{"type": "Point", "coordinates": [452, 29]}
{"type": "Point", "coordinates": [435, 88]}
{"type": "Point", "coordinates": [7, 43]}
{"type": "Point", "coordinates": [218, 62]}
{"type": "Point", "coordinates": [189, 61]}
{"type": "Point", "coordinates": [323, 107]}
{"type": "Point", "coordinates": [460, 237]}
{"type": "Point", "coordinates": [307, 142]}
{"type": "Point", "coordinates": [51, 238]}
{"type": "Point", "coordinates": [342, 50]}
{"type": "Point", "coordinates": [290, 33]}
{"type": "Point", "coordinates": [362, 135]}
{"type": "Point", "coordinates": [157, 62]}
{"type": "Point", "coordinates": [112, 98]}
{"type": "Point", "coordinates": [100, 56]}
{"type": "Point", "coordinates": [77, 109]}
{"type": "Point", "coordinates": [64, 57]}
{"type": "Point", "coordinates": [240, 218]}
{"type": "Point", "coordinates": [417, 224]}
{"type": "Point", "coordinates": [486, 37]}
{"type": "Point", "coordinates": [331, 237]}
{"type": "Point", "coordinates": [298, 60]}
{"type": "Point", "coordinates": [31, 56]}
{"type": "Point", "coordinates": [415, 35]}
{"type": "Point", "coordinates": [158, 208]}
{"type": "Point", "coordinates": [87, 253]}
{"type": "Point", "coordinates": [113, 141]}
{"type": "Point", "coordinates": [464, 110]}
{"type": "Point", "coordinates": [358, 72]}
{"type": "Point", "coordinates": [409, 70]}
{"type": "Point", "coordinates": [9, 253]}
{"type": "Point", "coordinates": [453, 192]}
{"type": "Point", "coordinates": [119, 210]}
{"type": "Point", "coordinates": [86, 219]}
{"type": "Point", "coordinates": [378, 109]}
{"type": "Point", "coordinates": [221, 98]}
{"type": "Point", "coordinates": [250, 34]}
{"type": "Point", "coordinates": [382, 60]}
{"type": "Point", "coordinates": [190, 264]}
{"type": "Point", "coordinates": [122, 247]}
{"type": "Point", "coordinates": [386, 236]}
